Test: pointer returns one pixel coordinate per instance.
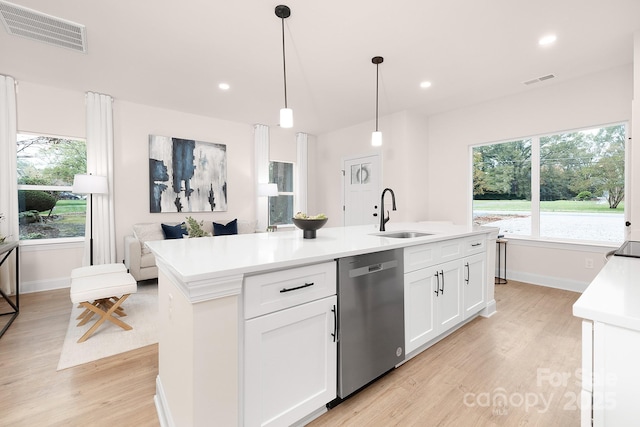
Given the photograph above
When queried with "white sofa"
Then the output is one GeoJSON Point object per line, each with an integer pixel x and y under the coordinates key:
{"type": "Point", "coordinates": [138, 258]}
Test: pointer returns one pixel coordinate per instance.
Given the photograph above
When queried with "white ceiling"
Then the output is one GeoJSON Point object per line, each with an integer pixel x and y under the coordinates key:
{"type": "Point", "coordinates": [174, 54]}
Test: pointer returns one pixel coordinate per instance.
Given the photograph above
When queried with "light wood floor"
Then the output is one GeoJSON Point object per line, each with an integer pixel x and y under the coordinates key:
{"type": "Point", "coordinates": [516, 368]}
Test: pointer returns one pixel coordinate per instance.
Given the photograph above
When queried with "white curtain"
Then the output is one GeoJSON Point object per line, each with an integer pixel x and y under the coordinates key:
{"type": "Point", "coordinates": [8, 177]}
{"type": "Point", "coordinates": [300, 188]}
{"type": "Point", "coordinates": [261, 142]}
{"type": "Point", "coordinates": [100, 162]}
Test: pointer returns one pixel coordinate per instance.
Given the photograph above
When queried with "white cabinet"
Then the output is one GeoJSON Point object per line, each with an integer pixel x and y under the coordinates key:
{"type": "Point", "coordinates": [475, 279]}
{"type": "Point", "coordinates": [445, 284]}
{"type": "Point", "coordinates": [420, 323]}
{"type": "Point", "coordinates": [290, 348]}
{"type": "Point", "coordinates": [610, 375]}
{"type": "Point", "coordinates": [432, 302]}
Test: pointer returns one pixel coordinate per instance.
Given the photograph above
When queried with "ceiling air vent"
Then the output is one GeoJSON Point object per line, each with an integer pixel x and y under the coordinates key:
{"type": "Point", "coordinates": [539, 79]}
{"type": "Point", "coordinates": [35, 25]}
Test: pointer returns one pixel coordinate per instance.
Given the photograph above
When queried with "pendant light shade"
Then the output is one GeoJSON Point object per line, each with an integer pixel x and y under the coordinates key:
{"type": "Point", "coordinates": [286, 117]}
{"type": "Point", "coordinates": [286, 113]}
{"type": "Point", "coordinates": [376, 136]}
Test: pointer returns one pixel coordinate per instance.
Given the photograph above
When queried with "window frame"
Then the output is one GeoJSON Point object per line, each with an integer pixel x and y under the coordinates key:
{"type": "Point", "coordinates": [43, 244]}
{"type": "Point", "coordinates": [535, 187]}
{"type": "Point", "coordinates": [283, 193]}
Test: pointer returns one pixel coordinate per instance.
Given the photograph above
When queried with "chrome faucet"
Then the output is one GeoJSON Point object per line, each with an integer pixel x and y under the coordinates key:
{"type": "Point", "coordinates": [384, 220]}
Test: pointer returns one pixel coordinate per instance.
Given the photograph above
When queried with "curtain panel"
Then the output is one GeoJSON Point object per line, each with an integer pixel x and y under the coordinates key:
{"type": "Point", "coordinates": [8, 177]}
{"type": "Point", "coordinates": [100, 162]}
{"type": "Point", "coordinates": [261, 149]}
{"type": "Point", "coordinates": [300, 189]}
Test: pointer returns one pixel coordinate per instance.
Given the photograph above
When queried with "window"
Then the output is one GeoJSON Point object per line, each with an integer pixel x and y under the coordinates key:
{"type": "Point", "coordinates": [281, 206]}
{"type": "Point", "coordinates": [565, 186]}
{"type": "Point", "coordinates": [45, 167]}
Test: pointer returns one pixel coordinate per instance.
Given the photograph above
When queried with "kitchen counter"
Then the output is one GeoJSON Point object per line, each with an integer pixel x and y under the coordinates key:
{"type": "Point", "coordinates": [192, 260]}
{"type": "Point", "coordinates": [610, 307]}
{"type": "Point", "coordinates": [201, 294]}
{"type": "Point", "coordinates": [613, 297]}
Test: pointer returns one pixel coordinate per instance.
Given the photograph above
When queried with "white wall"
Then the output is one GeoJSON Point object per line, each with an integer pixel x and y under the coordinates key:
{"type": "Point", "coordinates": [427, 161]}
{"type": "Point", "coordinates": [48, 110]}
{"type": "Point", "coordinates": [403, 158]}
{"type": "Point", "coordinates": [589, 101]}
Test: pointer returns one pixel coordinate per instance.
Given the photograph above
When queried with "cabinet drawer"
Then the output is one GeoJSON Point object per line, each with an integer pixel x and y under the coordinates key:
{"type": "Point", "coordinates": [269, 292]}
{"type": "Point", "coordinates": [474, 245]}
{"type": "Point", "coordinates": [421, 256]}
{"type": "Point", "coordinates": [451, 249]}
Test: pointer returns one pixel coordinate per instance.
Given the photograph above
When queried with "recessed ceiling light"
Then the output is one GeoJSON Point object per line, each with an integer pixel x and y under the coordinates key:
{"type": "Point", "coordinates": [547, 40]}
{"type": "Point", "coordinates": [425, 85]}
{"type": "Point", "coordinates": [224, 86]}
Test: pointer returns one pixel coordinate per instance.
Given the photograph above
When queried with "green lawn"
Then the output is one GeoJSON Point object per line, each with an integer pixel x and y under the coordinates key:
{"type": "Point", "coordinates": [555, 206]}
{"type": "Point", "coordinates": [67, 220]}
{"type": "Point", "coordinates": [66, 206]}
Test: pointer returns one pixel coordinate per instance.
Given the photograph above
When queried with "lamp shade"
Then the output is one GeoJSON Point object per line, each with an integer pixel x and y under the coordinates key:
{"type": "Point", "coordinates": [267, 190]}
{"type": "Point", "coordinates": [90, 184]}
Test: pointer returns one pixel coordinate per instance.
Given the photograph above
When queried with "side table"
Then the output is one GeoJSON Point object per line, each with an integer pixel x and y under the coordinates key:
{"type": "Point", "coordinates": [5, 251]}
{"type": "Point", "coordinates": [501, 278]}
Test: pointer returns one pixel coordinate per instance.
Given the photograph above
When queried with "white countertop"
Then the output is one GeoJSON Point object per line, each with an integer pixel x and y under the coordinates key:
{"type": "Point", "coordinates": [613, 297]}
{"type": "Point", "coordinates": [213, 257]}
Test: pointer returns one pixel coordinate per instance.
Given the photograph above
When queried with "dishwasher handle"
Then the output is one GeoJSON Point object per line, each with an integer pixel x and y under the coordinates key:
{"type": "Point", "coordinates": [373, 268]}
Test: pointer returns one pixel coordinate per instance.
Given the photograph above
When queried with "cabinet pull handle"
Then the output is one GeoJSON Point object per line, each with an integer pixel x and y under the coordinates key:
{"type": "Point", "coordinates": [335, 324]}
{"type": "Point", "coordinates": [306, 285]}
{"type": "Point", "coordinates": [466, 279]}
{"type": "Point", "coordinates": [475, 244]}
{"type": "Point", "coordinates": [442, 288]}
{"type": "Point", "coordinates": [437, 291]}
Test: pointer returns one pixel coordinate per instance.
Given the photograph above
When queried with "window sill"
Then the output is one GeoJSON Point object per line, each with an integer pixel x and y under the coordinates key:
{"type": "Point", "coordinates": [570, 245]}
{"type": "Point", "coordinates": [51, 244]}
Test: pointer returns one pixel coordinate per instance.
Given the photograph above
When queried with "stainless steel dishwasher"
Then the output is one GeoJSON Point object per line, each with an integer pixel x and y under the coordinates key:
{"type": "Point", "coordinates": [370, 318]}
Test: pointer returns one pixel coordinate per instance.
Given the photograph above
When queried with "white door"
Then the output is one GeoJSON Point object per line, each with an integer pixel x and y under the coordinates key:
{"type": "Point", "coordinates": [361, 190]}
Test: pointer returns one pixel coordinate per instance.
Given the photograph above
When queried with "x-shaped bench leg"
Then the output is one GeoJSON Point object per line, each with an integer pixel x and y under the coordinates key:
{"type": "Point", "coordinates": [104, 315]}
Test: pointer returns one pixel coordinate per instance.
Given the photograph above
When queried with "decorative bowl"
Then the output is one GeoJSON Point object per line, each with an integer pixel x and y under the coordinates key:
{"type": "Point", "coordinates": [309, 226]}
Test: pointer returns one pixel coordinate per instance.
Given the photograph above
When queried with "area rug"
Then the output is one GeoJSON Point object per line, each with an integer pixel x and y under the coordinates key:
{"type": "Point", "coordinates": [110, 339]}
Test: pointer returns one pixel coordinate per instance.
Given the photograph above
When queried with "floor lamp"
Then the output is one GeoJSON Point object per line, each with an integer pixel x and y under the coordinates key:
{"type": "Point", "coordinates": [90, 184]}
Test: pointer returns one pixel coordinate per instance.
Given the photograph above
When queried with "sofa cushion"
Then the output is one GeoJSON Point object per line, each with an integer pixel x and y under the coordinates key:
{"type": "Point", "coordinates": [174, 231]}
{"type": "Point", "coordinates": [148, 232]}
{"type": "Point", "coordinates": [225, 229]}
{"type": "Point", "coordinates": [147, 260]}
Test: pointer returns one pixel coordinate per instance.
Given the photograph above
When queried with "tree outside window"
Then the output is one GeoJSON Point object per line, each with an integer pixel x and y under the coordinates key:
{"type": "Point", "coordinates": [579, 194]}
{"type": "Point", "coordinates": [281, 206]}
{"type": "Point", "coordinates": [46, 166]}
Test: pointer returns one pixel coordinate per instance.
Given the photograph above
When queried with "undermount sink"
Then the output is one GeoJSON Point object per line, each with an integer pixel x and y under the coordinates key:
{"type": "Point", "coordinates": [404, 234]}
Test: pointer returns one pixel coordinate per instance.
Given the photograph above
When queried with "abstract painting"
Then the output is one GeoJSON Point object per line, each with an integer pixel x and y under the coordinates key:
{"type": "Point", "coordinates": [186, 175]}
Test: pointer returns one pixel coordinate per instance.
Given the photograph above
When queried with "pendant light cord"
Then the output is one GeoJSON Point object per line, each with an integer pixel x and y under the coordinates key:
{"type": "Point", "coordinates": [284, 66]}
{"type": "Point", "coordinates": [377, 70]}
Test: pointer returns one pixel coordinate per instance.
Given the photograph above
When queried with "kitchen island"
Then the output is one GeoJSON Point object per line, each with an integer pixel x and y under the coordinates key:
{"type": "Point", "coordinates": [610, 307]}
{"type": "Point", "coordinates": [213, 290]}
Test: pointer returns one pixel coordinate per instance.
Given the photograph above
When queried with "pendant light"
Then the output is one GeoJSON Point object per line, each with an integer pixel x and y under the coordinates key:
{"type": "Point", "coordinates": [376, 136]}
{"type": "Point", "coordinates": [286, 113]}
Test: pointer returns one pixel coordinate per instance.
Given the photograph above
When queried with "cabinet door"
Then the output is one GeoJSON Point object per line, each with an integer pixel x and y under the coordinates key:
{"type": "Point", "coordinates": [419, 310]}
{"type": "Point", "coordinates": [290, 363]}
{"type": "Point", "coordinates": [474, 285]}
{"type": "Point", "coordinates": [449, 300]}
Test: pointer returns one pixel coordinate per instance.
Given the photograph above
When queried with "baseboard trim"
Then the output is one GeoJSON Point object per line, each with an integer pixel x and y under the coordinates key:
{"type": "Point", "coordinates": [44, 285]}
{"type": "Point", "coordinates": [162, 408]}
{"type": "Point", "coordinates": [548, 281]}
